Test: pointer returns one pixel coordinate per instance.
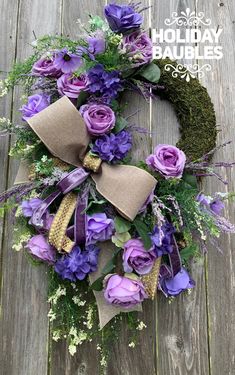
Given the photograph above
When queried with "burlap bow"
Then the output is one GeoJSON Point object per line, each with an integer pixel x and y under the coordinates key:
{"type": "Point", "coordinates": [63, 131]}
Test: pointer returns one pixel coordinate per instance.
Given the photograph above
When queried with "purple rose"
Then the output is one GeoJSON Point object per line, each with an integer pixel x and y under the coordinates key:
{"type": "Point", "coordinates": [138, 47]}
{"type": "Point", "coordinates": [72, 86]}
{"type": "Point", "coordinates": [168, 160]}
{"type": "Point", "coordinates": [45, 67]}
{"type": "Point", "coordinates": [78, 264]}
{"type": "Point", "coordinates": [172, 286]}
{"type": "Point", "coordinates": [96, 45]}
{"type": "Point", "coordinates": [123, 291]}
{"type": "Point", "coordinates": [41, 249]}
{"type": "Point", "coordinates": [67, 62]}
{"type": "Point", "coordinates": [36, 103]}
{"type": "Point", "coordinates": [29, 206]}
{"type": "Point", "coordinates": [122, 18]}
{"type": "Point", "coordinates": [99, 119]}
{"type": "Point", "coordinates": [137, 258]}
{"type": "Point", "coordinates": [99, 228]}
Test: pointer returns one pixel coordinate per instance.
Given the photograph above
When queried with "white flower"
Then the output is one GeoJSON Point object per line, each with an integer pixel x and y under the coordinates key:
{"type": "Point", "coordinates": [61, 291]}
{"type": "Point", "coordinates": [72, 349]}
{"type": "Point", "coordinates": [141, 326]}
{"type": "Point", "coordinates": [51, 315]}
{"type": "Point", "coordinates": [131, 344]}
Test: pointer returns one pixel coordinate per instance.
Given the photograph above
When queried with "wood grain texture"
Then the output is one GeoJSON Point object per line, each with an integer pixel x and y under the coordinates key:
{"type": "Point", "coordinates": [24, 288]}
{"type": "Point", "coordinates": [182, 325]}
{"type": "Point", "coordinates": [221, 267]}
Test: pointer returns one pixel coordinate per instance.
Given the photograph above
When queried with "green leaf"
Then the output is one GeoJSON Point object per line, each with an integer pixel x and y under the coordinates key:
{"type": "Point", "coordinates": [151, 72]}
{"type": "Point", "coordinates": [97, 285]}
{"type": "Point", "coordinates": [143, 231]}
{"type": "Point", "coordinates": [121, 225]}
{"type": "Point", "coordinates": [189, 252]}
{"type": "Point", "coordinates": [111, 263]}
{"type": "Point", "coordinates": [120, 124]}
{"type": "Point", "coordinates": [190, 180]}
{"type": "Point", "coordinates": [81, 98]}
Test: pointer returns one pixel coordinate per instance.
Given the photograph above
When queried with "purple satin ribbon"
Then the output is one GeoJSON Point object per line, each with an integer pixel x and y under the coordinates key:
{"type": "Point", "coordinates": [72, 180]}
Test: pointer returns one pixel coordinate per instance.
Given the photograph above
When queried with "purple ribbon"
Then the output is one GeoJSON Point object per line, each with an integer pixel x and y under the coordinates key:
{"type": "Point", "coordinates": [175, 262]}
{"type": "Point", "coordinates": [72, 180]}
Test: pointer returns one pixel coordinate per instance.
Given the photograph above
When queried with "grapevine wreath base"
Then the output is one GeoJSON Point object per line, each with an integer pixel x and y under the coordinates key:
{"type": "Point", "coordinates": [111, 232]}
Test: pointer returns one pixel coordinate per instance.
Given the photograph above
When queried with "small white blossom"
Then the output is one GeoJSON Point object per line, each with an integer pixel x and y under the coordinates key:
{"type": "Point", "coordinates": [72, 349]}
{"type": "Point", "coordinates": [141, 326]}
{"type": "Point", "coordinates": [131, 344]}
{"type": "Point", "coordinates": [61, 291]}
{"type": "Point", "coordinates": [51, 315]}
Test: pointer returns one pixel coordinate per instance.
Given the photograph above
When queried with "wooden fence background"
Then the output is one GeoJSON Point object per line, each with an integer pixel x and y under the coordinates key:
{"type": "Point", "coordinates": [195, 335]}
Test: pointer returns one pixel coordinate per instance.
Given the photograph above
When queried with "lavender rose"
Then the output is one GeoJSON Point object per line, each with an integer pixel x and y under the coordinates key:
{"type": "Point", "coordinates": [36, 103]}
{"type": "Point", "coordinates": [122, 18]}
{"type": "Point", "coordinates": [175, 285]}
{"type": "Point", "coordinates": [124, 292]}
{"type": "Point", "coordinates": [137, 258]}
{"type": "Point", "coordinates": [99, 228]}
{"type": "Point", "coordinates": [99, 119]}
{"type": "Point", "coordinates": [139, 48]}
{"type": "Point", "coordinates": [168, 160]}
{"type": "Point", "coordinates": [40, 248]}
{"type": "Point", "coordinates": [45, 67]}
{"type": "Point", "coordinates": [72, 86]}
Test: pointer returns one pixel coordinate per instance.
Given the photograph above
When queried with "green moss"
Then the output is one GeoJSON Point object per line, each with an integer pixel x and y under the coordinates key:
{"type": "Point", "coordinates": [194, 110]}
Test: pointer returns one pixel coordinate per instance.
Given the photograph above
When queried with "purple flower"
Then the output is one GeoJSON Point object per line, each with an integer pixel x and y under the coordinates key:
{"type": "Point", "coordinates": [113, 147]}
{"type": "Point", "coordinates": [99, 118]}
{"type": "Point", "coordinates": [45, 67]}
{"type": "Point", "coordinates": [77, 264]}
{"type": "Point", "coordinates": [175, 285]}
{"type": "Point", "coordinates": [137, 258]}
{"type": "Point", "coordinates": [41, 249]}
{"type": "Point", "coordinates": [29, 206]}
{"type": "Point", "coordinates": [123, 291]}
{"type": "Point", "coordinates": [66, 61]}
{"type": "Point", "coordinates": [138, 47]}
{"type": "Point", "coordinates": [36, 103]}
{"type": "Point", "coordinates": [122, 18]}
{"type": "Point", "coordinates": [96, 45]}
{"type": "Point", "coordinates": [168, 160]}
{"type": "Point", "coordinates": [105, 84]}
{"type": "Point", "coordinates": [147, 202]}
{"type": "Point", "coordinates": [99, 228]}
{"type": "Point", "coordinates": [72, 86]}
{"type": "Point", "coordinates": [215, 205]}
{"type": "Point", "coordinates": [162, 239]}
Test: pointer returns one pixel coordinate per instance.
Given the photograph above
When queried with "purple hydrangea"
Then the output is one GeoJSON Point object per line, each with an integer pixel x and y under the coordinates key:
{"type": "Point", "coordinates": [78, 264]}
{"type": "Point", "coordinates": [113, 147]}
{"type": "Point", "coordinates": [36, 103]}
{"type": "Point", "coordinates": [105, 84]}
{"type": "Point", "coordinates": [162, 239]}
{"type": "Point", "coordinates": [30, 205]}
{"type": "Point", "coordinates": [122, 18]}
{"type": "Point", "coordinates": [172, 286]}
{"type": "Point", "coordinates": [67, 62]}
{"type": "Point", "coordinates": [99, 228]}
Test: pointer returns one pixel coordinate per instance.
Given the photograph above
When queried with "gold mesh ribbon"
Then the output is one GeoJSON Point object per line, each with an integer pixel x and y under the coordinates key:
{"type": "Point", "coordinates": [92, 162]}
{"type": "Point", "coordinates": [150, 280]}
{"type": "Point", "coordinates": [57, 233]}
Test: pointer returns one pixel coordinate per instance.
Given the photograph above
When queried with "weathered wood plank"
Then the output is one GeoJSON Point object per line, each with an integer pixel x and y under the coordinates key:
{"type": "Point", "coordinates": [181, 325]}
{"type": "Point", "coordinates": [24, 288]}
{"type": "Point", "coordinates": [221, 267]}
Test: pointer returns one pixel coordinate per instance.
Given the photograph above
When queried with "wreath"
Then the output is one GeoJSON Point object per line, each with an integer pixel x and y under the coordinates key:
{"type": "Point", "coordinates": [111, 232]}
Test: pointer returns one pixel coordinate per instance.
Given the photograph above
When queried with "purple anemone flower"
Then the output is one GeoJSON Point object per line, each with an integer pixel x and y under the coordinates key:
{"type": "Point", "coordinates": [122, 18]}
{"type": "Point", "coordinates": [172, 286]}
{"type": "Point", "coordinates": [66, 61]}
